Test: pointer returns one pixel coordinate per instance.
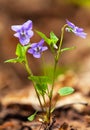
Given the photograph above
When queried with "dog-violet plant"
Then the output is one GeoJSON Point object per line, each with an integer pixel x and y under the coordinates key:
{"type": "Point", "coordinates": [24, 33]}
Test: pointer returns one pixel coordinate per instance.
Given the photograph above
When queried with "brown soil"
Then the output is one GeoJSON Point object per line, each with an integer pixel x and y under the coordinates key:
{"type": "Point", "coordinates": [14, 117]}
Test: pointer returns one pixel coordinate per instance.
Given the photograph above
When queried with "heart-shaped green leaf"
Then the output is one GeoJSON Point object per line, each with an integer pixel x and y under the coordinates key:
{"type": "Point", "coordinates": [65, 91]}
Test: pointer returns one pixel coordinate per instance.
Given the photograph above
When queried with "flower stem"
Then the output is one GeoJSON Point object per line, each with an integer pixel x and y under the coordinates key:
{"type": "Point", "coordinates": [51, 92]}
{"type": "Point", "coordinates": [30, 74]}
{"type": "Point", "coordinates": [56, 59]}
{"type": "Point", "coordinates": [60, 44]}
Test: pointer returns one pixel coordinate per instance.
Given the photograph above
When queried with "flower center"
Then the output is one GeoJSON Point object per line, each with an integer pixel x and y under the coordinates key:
{"type": "Point", "coordinates": [23, 33]}
{"type": "Point", "coordinates": [38, 49]}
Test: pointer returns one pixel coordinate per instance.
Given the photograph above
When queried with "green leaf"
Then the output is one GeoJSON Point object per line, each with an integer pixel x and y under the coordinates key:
{"type": "Point", "coordinates": [42, 35]}
{"type": "Point", "coordinates": [20, 53]}
{"type": "Point", "coordinates": [53, 38]}
{"type": "Point", "coordinates": [21, 50]}
{"type": "Point", "coordinates": [32, 117]}
{"type": "Point", "coordinates": [65, 91]}
{"type": "Point", "coordinates": [40, 79]}
{"type": "Point", "coordinates": [67, 49]}
{"type": "Point", "coordinates": [50, 41]}
{"type": "Point", "coordinates": [18, 50]}
{"type": "Point", "coordinates": [11, 61]}
{"type": "Point", "coordinates": [40, 83]}
{"type": "Point", "coordinates": [15, 60]}
{"type": "Point", "coordinates": [41, 88]}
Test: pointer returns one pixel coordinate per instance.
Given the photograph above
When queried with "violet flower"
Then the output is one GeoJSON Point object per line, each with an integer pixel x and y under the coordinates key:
{"type": "Point", "coordinates": [37, 48]}
{"type": "Point", "coordinates": [23, 32]}
{"type": "Point", "coordinates": [76, 30]}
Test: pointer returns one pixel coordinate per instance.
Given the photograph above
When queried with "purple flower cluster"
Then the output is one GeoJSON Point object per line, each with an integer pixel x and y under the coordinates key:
{"type": "Point", "coordinates": [37, 48]}
{"type": "Point", "coordinates": [76, 30]}
{"type": "Point", "coordinates": [24, 33]}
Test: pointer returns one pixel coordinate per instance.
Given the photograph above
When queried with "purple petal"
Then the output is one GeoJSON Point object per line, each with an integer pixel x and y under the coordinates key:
{"type": "Point", "coordinates": [80, 29]}
{"type": "Point", "coordinates": [76, 30]}
{"type": "Point", "coordinates": [24, 41]}
{"type": "Point", "coordinates": [30, 33]}
{"type": "Point", "coordinates": [28, 24]}
{"type": "Point", "coordinates": [83, 35]}
{"type": "Point", "coordinates": [16, 27]}
{"type": "Point", "coordinates": [41, 42]}
{"type": "Point", "coordinates": [44, 48]}
{"type": "Point", "coordinates": [17, 35]}
{"type": "Point", "coordinates": [33, 45]}
{"type": "Point", "coordinates": [70, 24]}
{"type": "Point", "coordinates": [31, 51]}
{"type": "Point", "coordinates": [37, 55]}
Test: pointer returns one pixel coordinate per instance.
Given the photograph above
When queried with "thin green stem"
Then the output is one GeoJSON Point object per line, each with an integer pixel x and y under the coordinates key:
{"type": "Point", "coordinates": [27, 67]}
{"type": "Point", "coordinates": [30, 74]}
{"type": "Point", "coordinates": [57, 56]}
{"type": "Point", "coordinates": [45, 72]}
{"type": "Point", "coordinates": [38, 97]}
{"type": "Point", "coordinates": [44, 102]}
{"type": "Point", "coordinates": [51, 92]}
{"type": "Point", "coordinates": [60, 44]}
